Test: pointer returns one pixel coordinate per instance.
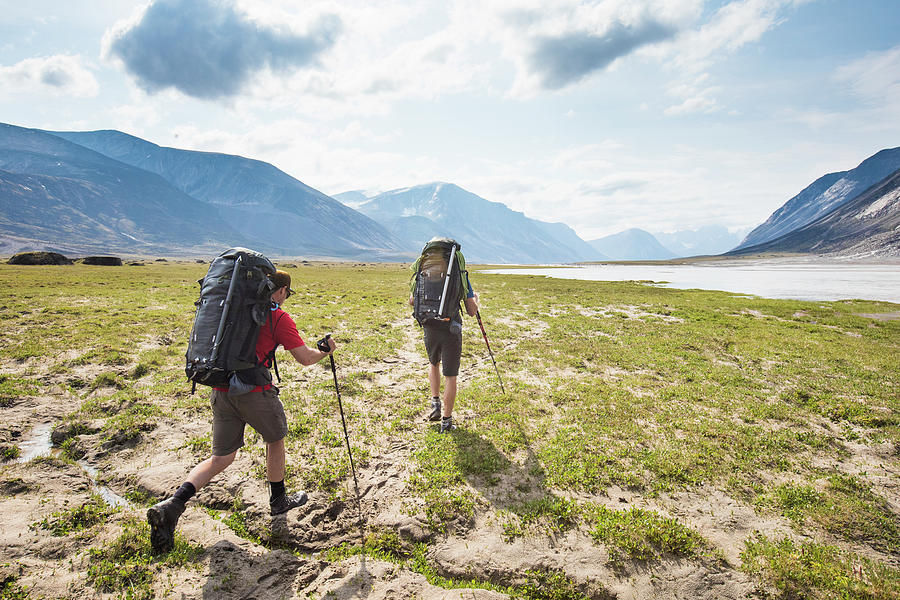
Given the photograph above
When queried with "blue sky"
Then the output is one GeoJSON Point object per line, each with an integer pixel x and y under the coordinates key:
{"type": "Point", "coordinates": [658, 114]}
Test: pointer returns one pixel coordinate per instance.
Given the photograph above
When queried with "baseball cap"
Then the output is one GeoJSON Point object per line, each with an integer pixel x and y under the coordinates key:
{"type": "Point", "coordinates": [282, 279]}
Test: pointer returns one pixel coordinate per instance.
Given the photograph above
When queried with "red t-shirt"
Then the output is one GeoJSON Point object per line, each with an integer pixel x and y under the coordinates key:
{"type": "Point", "coordinates": [285, 334]}
{"type": "Point", "coordinates": [279, 330]}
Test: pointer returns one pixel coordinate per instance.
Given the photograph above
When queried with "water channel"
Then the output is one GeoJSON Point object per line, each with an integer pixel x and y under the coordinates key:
{"type": "Point", "coordinates": [798, 279]}
{"type": "Point", "coordinates": [39, 444]}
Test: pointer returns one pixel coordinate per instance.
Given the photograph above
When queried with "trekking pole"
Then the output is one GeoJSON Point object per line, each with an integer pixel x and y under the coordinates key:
{"type": "Point", "coordinates": [324, 347]}
{"type": "Point", "coordinates": [488, 344]}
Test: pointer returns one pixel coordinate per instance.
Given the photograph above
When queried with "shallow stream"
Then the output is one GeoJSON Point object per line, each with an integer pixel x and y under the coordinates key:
{"type": "Point", "coordinates": [39, 444]}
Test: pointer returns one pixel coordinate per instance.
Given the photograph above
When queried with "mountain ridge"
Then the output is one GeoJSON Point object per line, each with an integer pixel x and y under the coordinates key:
{"type": "Point", "coordinates": [487, 230]}
{"type": "Point", "coordinates": [869, 224]}
{"type": "Point", "coordinates": [632, 244]}
{"type": "Point", "coordinates": [97, 202]}
{"type": "Point", "coordinates": [825, 194]}
{"type": "Point", "coordinates": [254, 196]}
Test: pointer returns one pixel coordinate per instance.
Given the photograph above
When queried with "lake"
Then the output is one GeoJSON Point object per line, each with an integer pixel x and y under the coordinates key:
{"type": "Point", "coordinates": [799, 279]}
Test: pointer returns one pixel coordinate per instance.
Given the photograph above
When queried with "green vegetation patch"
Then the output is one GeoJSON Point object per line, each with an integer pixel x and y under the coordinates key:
{"type": "Point", "coordinates": [10, 590]}
{"type": "Point", "coordinates": [642, 534]}
{"type": "Point", "coordinates": [78, 518]}
{"type": "Point", "coordinates": [439, 479]}
{"type": "Point", "coordinates": [128, 566]}
{"type": "Point", "coordinates": [810, 570]}
{"type": "Point", "coordinates": [12, 388]}
{"type": "Point", "coordinates": [9, 452]}
{"type": "Point", "coordinates": [634, 533]}
{"type": "Point", "coordinates": [845, 507]}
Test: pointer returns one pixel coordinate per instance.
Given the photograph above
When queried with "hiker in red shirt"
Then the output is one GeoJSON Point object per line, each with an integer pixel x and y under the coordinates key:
{"type": "Point", "coordinates": [259, 407]}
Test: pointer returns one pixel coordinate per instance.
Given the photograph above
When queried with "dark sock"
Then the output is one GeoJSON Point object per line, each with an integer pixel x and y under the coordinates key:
{"type": "Point", "coordinates": [446, 418]}
{"type": "Point", "coordinates": [435, 397]}
{"type": "Point", "coordinates": [276, 488]}
{"type": "Point", "coordinates": [185, 492]}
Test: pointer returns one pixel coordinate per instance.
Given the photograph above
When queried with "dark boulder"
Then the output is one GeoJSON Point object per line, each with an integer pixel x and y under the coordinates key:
{"type": "Point", "coordinates": [39, 258]}
{"type": "Point", "coordinates": [103, 261]}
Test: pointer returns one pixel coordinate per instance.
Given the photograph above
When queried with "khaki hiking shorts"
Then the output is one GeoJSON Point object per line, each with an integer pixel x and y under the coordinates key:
{"type": "Point", "coordinates": [263, 411]}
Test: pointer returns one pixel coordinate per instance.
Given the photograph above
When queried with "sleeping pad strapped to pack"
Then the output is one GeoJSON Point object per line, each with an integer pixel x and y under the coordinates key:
{"type": "Point", "coordinates": [439, 283]}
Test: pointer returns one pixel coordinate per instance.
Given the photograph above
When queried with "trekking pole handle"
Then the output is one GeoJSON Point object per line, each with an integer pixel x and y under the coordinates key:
{"type": "Point", "coordinates": [323, 345]}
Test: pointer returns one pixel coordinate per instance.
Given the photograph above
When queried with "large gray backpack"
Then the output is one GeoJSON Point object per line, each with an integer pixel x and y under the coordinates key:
{"type": "Point", "coordinates": [235, 298]}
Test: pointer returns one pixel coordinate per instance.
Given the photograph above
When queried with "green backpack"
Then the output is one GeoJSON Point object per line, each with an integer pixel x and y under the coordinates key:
{"type": "Point", "coordinates": [438, 284]}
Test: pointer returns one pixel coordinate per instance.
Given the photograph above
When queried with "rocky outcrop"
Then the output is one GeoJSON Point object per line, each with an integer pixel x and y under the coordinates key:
{"type": "Point", "coordinates": [103, 261]}
{"type": "Point", "coordinates": [39, 258]}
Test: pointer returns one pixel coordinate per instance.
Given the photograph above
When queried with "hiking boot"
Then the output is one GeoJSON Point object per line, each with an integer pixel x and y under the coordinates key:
{"type": "Point", "coordinates": [163, 516]}
{"type": "Point", "coordinates": [447, 425]}
{"type": "Point", "coordinates": [435, 414]}
{"type": "Point", "coordinates": [283, 503]}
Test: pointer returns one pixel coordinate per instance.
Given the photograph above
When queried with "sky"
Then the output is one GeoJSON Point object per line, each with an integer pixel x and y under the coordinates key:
{"type": "Point", "coordinates": [605, 115]}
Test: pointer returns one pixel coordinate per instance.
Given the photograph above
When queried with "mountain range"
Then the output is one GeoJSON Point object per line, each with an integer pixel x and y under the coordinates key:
{"type": "Point", "coordinates": [487, 231]}
{"type": "Point", "coordinates": [58, 195]}
{"type": "Point", "coordinates": [707, 240]}
{"type": "Point", "coordinates": [104, 192]}
{"type": "Point", "coordinates": [266, 205]}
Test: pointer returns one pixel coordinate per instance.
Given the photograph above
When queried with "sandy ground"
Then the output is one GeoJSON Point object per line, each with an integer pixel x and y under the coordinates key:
{"type": "Point", "coordinates": [232, 568]}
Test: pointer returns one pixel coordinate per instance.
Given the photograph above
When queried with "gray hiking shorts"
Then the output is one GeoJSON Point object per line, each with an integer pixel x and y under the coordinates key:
{"type": "Point", "coordinates": [443, 347]}
{"type": "Point", "coordinates": [263, 411]}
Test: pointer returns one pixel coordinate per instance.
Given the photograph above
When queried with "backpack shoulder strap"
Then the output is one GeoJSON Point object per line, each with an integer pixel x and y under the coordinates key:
{"type": "Point", "coordinates": [270, 355]}
{"type": "Point", "coordinates": [463, 275]}
{"type": "Point", "coordinates": [415, 271]}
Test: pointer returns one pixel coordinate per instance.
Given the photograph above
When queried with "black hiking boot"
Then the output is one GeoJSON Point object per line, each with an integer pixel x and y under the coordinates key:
{"type": "Point", "coordinates": [447, 425]}
{"type": "Point", "coordinates": [283, 503]}
{"type": "Point", "coordinates": [435, 414]}
{"type": "Point", "coordinates": [163, 516]}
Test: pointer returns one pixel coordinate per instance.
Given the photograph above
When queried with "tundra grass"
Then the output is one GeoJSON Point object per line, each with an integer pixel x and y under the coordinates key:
{"type": "Point", "coordinates": [818, 571]}
{"type": "Point", "coordinates": [608, 384]}
{"type": "Point", "coordinates": [78, 518]}
{"type": "Point", "coordinates": [538, 584]}
{"type": "Point", "coordinates": [128, 567]}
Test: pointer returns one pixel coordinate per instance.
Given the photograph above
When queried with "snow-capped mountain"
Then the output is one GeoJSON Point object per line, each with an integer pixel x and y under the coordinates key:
{"type": "Point", "coordinates": [632, 244]}
{"type": "Point", "coordinates": [489, 232]}
{"type": "Point", "coordinates": [708, 240]}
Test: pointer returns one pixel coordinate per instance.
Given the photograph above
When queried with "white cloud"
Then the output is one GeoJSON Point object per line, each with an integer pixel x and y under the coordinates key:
{"type": "Point", "coordinates": [700, 102]}
{"type": "Point", "coordinates": [61, 74]}
{"type": "Point", "coordinates": [696, 96]}
{"type": "Point", "coordinates": [386, 52]}
{"type": "Point", "coordinates": [875, 78]}
{"type": "Point", "coordinates": [731, 27]}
